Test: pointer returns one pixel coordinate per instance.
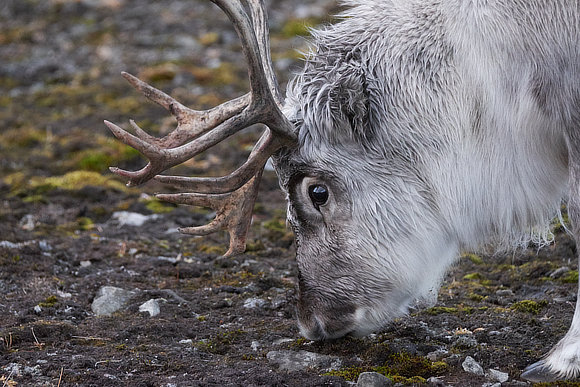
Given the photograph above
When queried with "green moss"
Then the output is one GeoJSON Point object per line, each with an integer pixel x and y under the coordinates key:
{"type": "Point", "coordinates": [35, 199]}
{"type": "Point", "coordinates": [254, 246]}
{"type": "Point", "coordinates": [474, 258]}
{"type": "Point", "coordinates": [275, 225]}
{"type": "Point", "coordinates": [407, 365]}
{"type": "Point", "coordinates": [164, 243]}
{"type": "Point", "coordinates": [85, 223]}
{"type": "Point", "coordinates": [399, 367]}
{"type": "Point", "coordinates": [157, 206]}
{"type": "Point", "coordinates": [298, 27]}
{"type": "Point", "coordinates": [570, 277]}
{"type": "Point", "coordinates": [23, 137]}
{"type": "Point", "coordinates": [560, 224]}
{"type": "Point", "coordinates": [410, 381]}
{"type": "Point", "coordinates": [505, 267]}
{"type": "Point", "coordinates": [34, 189]}
{"type": "Point", "coordinates": [76, 180]}
{"type": "Point", "coordinates": [49, 302]}
{"type": "Point", "coordinates": [466, 310]}
{"type": "Point", "coordinates": [436, 310]}
{"type": "Point", "coordinates": [220, 343]}
{"type": "Point", "coordinates": [225, 74]}
{"type": "Point", "coordinates": [276, 231]}
{"type": "Point", "coordinates": [529, 306]}
{"type": "Point", "coordinates": [474, 277]}
{"type": "Point", "coordinates": [349, 373]}
{"type": "Point", "coordinates": [476, 297]}
{"type": "Point", "coordinates": [209, 38]}
{"type": "Point", "coordinates": [161, 72]}
{"type": "Point", "coordinates": [97, 161]}
{"type": "Point", "coordinates": [16, 180]}
{"type": "Point", "coordinates": [299, 342]}
{"type": "Point", "coordinates": [212, 249]}
{"type": "Point", "coordinates": [238, 278]}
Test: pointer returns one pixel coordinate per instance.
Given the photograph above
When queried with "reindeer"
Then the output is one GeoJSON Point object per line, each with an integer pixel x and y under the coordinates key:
{"type": "Point", "coordinates": [417, 129]}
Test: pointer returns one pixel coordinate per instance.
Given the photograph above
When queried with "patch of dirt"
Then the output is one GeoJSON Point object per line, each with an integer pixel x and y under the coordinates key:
{"type": "Point", "coordinates": [63, 236]}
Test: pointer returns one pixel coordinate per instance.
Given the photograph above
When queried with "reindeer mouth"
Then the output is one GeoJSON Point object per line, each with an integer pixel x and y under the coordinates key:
{"type": "Point", "coordinates": [316, 327]}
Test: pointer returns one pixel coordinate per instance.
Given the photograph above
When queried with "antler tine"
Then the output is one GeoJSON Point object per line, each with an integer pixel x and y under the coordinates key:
{"type": "Point", "coordinates": [265, 147]}
{"type": "Point", "coordinates": [259, 21]}
{"type": "Point", "coordinates": [161, 159]}
{"type": "Point", "coordinates": [266, 97]}
{"type": "Point", "coordinates": [233, 212]}
{"type": "Point", "coordinates": [190, 123]}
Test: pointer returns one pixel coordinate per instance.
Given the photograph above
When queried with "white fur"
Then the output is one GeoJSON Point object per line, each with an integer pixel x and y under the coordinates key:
{"type": "Point", "coordinates": [441, 126]}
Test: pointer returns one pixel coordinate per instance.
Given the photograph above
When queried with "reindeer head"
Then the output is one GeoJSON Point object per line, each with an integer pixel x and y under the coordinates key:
{"type": "Point", "coordinates": [367, 239]}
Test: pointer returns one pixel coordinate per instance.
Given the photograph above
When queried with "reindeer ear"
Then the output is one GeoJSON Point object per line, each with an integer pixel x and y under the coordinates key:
{"type": "Point", "coordinates": [348, 101]}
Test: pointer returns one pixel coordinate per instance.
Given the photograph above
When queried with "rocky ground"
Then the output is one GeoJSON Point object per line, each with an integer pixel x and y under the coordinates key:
{"type": "Point", "coordinates": [96, 286]}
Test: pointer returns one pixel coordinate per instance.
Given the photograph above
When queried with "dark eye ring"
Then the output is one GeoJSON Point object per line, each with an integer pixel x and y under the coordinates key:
{"type": "Point", "coordinates": [318, 194]}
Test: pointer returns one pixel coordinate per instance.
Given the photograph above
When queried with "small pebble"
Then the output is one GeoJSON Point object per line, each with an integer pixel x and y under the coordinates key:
{"type": "Point", "coordinates": [373, 379]}
{"type": "Point", "coordinates": [471, 366]}
{"type": "Point", "coordinates": [254, 302]}
{"type": "Point", "coordinates": [497, 376]}
{"type": "Point", "coordinates": [151, 307]}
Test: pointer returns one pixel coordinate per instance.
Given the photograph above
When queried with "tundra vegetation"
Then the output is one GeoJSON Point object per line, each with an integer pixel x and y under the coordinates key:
{"type": "Point", "coordinates": [219, 318]}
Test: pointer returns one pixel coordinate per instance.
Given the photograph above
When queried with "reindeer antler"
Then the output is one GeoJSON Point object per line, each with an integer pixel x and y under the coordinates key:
{"type": "Point", "coordinates": [232, 196]}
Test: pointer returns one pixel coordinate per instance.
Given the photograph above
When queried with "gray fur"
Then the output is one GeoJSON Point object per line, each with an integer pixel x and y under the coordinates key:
{"type": "Point", "coordinates": [438, 126]}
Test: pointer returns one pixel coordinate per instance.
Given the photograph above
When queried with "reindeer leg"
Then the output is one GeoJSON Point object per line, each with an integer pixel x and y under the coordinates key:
{"type": "Point", "coordinates": [563, 361]}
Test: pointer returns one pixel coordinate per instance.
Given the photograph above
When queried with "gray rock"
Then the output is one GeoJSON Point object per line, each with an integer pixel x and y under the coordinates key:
{"type": "Point", "coordinates": [373, 379]}
{"type": "Point", "coordinates": [282, 341]}
{"type": "Point", "coordinates": [255, 345]}
{"type": "Point", "coordinates": [465, 341]}
{"type": "Point", "coordinates": [16, 369]}
{"type": "Point", "coordinates": [254, 302]}
{"type": "Point", "coordinates": [504, 292]}
{"type": "Point", "coordinates": [301, 360]}
{"type": "Point", "coordinates": [437, 354]}
{"type": "Point", "coordinates": [44, 246]}
{"type": "Point", "coordinates": [559, 272]}
{"type": "Point", "coordinates": [436, 382]}
{"type": "Point", "coordinates": [110, 299]}
{"type": "Point", "coordinates": [497, 376]}
{"type": "Point", "coordinates": [517, 383]}
{"type": "Point", "coordinates": [151, 307]}
{"type": "Point", "coordinates": [28, 222]}
{"type": "Point", "coordinates": [471, 366]}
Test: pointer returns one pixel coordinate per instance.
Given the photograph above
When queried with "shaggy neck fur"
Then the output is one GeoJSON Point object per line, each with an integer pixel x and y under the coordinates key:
{"type": "Point", "coordinates": [452, 92]}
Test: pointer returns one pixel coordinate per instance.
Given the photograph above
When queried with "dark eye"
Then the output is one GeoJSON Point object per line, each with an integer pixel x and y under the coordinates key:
{"type": "Point", "coordinates": [318, 194]}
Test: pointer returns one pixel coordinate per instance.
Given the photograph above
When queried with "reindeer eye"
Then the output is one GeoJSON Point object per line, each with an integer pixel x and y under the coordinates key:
{"type": "Point", "coordinates": [318, 194]}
